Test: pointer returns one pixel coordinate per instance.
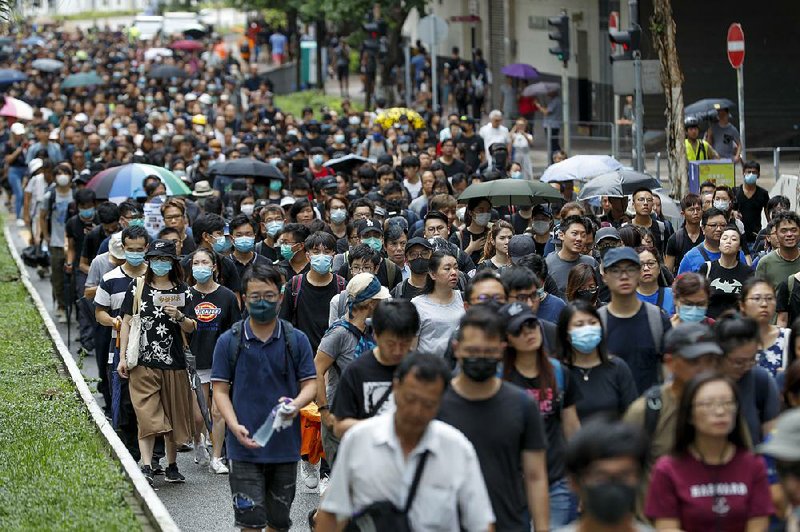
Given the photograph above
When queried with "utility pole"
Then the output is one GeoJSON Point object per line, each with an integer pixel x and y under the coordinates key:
{"type": "Point", "coordinates": [560, 34]}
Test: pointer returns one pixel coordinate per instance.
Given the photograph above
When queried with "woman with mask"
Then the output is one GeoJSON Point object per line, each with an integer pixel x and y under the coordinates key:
{"type": "Point", "coordinates": [158, 385]}
{"type": "Point", "coordinates": [216, 309]}
{"type": "Point", "coordinates": [711, 481]}
{"type": "Point", "coordinates": [690, 293]}
{"type": "Point", "coordinates": [582, 285]}
{"type": "Point", "coordinates": [495, 252]}
{"type": "Point", "coordinates": [553, 387]}
{"type": "Point", "coordinates": [247, 205]}
{"type": "Point", "coordinates": [338, 147]}
{"type": "Point", "coordinates": [649, 289]}
{"type": "Point", "coordinates": [472, 238]}
{"type": "Point", "coordinates": [440, 306]}
{"type": "Point", "coordinates": [727, 274]}
{"type": "Point", "coordinates": [521, 143]}
{"type": "Point", "coordinates": [758, 302]}
{"type": "Point", "coordinates": [604, 381]}
{"type": "Point", "coordinates": [724, 200]}
{"type": "Point", "coordinates": [336, 214]}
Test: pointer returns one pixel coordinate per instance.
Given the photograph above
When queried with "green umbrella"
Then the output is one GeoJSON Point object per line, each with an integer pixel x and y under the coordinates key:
{"type": "Point", "coordinates": [519, 192]}
{"type": "Point", "coordinates": [82, 79]}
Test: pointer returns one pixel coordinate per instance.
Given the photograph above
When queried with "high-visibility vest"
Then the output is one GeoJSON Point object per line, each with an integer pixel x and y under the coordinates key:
{"type": "Point", "coordinates": [702, 150]}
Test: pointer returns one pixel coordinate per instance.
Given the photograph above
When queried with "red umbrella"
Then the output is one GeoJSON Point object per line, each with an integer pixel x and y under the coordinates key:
{"type": "Point", "coordinates": [188, 45]}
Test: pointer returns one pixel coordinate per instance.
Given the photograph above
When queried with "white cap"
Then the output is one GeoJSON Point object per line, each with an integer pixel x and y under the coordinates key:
{"type": "Point", "coordinates": [205, 99]}
{"type": "Point", "coordinates": [18, 128]}
{"type": "Point", "coordinates": [35, 165]}
{"type": "Point", "coordinates": [287, 200]}
{"type": "Point", "coordinates": [157, 138]}
{"type": "Point", "coordinates": [190, 97]}
{"type": "Point", "coordinates": [54, 135]}
{"type": "Point", "coordinates": [115, 246]}
{"type": "Point", "coordinates": [102, 130]}
{"type": "Point", "coordinates": [81, 118]}
{"type": "Point", "coordinates": [366, 281]}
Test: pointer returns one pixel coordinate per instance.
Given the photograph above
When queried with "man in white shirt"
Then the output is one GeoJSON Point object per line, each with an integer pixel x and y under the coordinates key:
{"type": "Point", "coordinates": [378, 460]}
{"type": "Point", "coordinates": [494, 132]}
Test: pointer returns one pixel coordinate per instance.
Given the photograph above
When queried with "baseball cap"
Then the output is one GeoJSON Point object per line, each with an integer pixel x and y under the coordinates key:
{"type": "Point", "coordinates": [691, 340]}
{"type": "Point", "coordinates": [366, 225]}
{"type": "Point", "coordinates": [785, 441]}
{"type": "Point", "coordinates": [515, 315]}
{"type": "Point", "coordinates": [18, 128]}
{"type": "Point", "coordinates": [115, 246]}
{"type": "Point", "coordinates": [519, 246]}
{"type": "Point", "coordinates": [287, 200]}
{"type": "Point", "coordinates": [607, 232]}
{"type": "Point", "coordinates": [364, 286]}
{"type": "Point", "coordinates": [161, 248]}
{"type": "Point", "coordinates": [418, 241]}
{"type": "Point", "coordinates": [542, 210]}
{"type": "Point", "coordinates": [327, 182]}
{"type": "Point", "coordinates": [54, 134]}
{"type": "Point", "coordinates": [616, 255]}
{"type": "Point", "coordinates": [35, 165]}
{"type": "Point", "coordinates": [81, 118]}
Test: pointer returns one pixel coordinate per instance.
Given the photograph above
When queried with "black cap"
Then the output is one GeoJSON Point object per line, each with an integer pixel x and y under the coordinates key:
{"type": "Point", "coordinates": [162, 248]}
{"type": "Point", "coordinates": [326, 182]}
{"type": "Point", "coordinates": [519, 246]}
{"type": "Point", "coordinates": [514, 315]}
{"type": "Point", "coordinates": [690, 341]}
{"type": "Point", "coordinates": [366, 225]}
{"type": "Point", "coordinates": [418, 241]}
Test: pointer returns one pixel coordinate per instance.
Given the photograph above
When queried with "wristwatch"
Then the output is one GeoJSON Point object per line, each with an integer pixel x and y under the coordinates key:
{"type": "Point", "coordinates": [182, 318]}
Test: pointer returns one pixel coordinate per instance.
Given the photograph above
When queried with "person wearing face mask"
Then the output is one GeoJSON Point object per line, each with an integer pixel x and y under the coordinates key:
{"type": "Point", "coordinates": [336, 213]}
{"type": "Point", "coordinates": [271, 221]}
{"type": "Point", "coordinates": [472, 238]}
{"type": "Point", "coordinates": [582, 285]}
{"type": "Point", "coordinates": [268, 361]}
{"type": "Point", "coordinates": [751, 200]}
{"type": "Point", "coordinates": [504, 426]}
{"type": "Point", "coordinates": [57, 203]}
{"type": "Point", "coordinates": [159, 389]}
{"type": "Point", "coordinates": [418, 253]}
{"type": "Point", "coordinates": [316, 159]}
{"type": "Point", "coordinates": [209, 231]}
{"type": "Point", "coordinates": [722, 199]}
{"type": "Point", "coordinates": [604, 382]}
{"type": "Point", "coordinates": [606, 462]}
{"type": "Point", "coordinates": [289, 244]}
{"type": "Point", "coordinates": [243, 231]}
{"type": "Point", "coordinates": [691, 293]}
{"type": "Point", "coordinates": [541, 226]}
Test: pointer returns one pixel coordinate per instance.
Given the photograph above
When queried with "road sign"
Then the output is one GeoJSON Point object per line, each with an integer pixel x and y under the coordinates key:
{"type": "Point", "coordinates": [613, 25]}
{"type": "Point", "coordinates": [624, 83]}
{"type": "Point", "coordinates": [432, 30]}
{"type": "Point", "coordinates": [735, 45]}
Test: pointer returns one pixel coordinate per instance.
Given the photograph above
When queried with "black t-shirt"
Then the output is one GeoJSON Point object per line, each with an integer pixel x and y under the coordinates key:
{"type": "Point", "coordinates": [464, 241]}
{"type": "Point", "coordinates": [726, 285]}
{"type": "Point", "coordinates": [265, 251]}
{"type": "Point", "coordinates": [257, 259]}
{"type": "Point", "coordinates": [362, 386]}
{"type": "Point", "coordinates": [406, 290]}
{"type": "Point", "coordinates": [751, 210]}
{"type": "Point", "coordinates": [500, 428]}
{"type": "Point", "coordinates": [77, 229]}
{"type": "Point", "coordinates": [520, 224]}
{"type": "Point", "coordinates": [605, 389]}
{"type": "Point", "coordinates": [680, 243]}
{"type": "Point", "coordinates": [287, 271]}
{"type": "Point", "coordinates": [161, 343]}
{"type": "Point", "coordinates": [227, 277]}
{"type": "Point", "coordinates": [92, 241]}
{"type": "Point", "coordinates": [789, 301]}
{"type": "Point", "coordinates": [453, 168]}
{"type": "Point", "coordinates": [215, 313]}
{"type": "Point", "coordinates": [19, 161]}
{"type": "Point", "coordinates": [551, 403]}
{"type": "Point", "coordinates": [471, 148]}
{"type": "Point", "coordinates": [310, 312]}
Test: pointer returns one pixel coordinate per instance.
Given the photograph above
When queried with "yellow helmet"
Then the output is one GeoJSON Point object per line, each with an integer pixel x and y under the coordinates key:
{"type": "Point", "coordinates": [199, 120]}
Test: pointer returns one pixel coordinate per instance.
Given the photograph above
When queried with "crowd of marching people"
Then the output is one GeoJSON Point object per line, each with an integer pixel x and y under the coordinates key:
{"type": "Point", "coordinates": [431, 363]}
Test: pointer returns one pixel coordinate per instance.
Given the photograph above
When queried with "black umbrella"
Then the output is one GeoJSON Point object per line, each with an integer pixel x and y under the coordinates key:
{"type": "Point", "coordinates": [166, 72]}
{"type": "Point", "coordinates": [247, 167]}
{"type": "Point", "coordinates": [708, 107]}
{"type": "Point", "coordinates": [346, 163]}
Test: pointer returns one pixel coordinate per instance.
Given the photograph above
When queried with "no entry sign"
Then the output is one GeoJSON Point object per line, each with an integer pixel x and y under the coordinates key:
{"type": "Point", "coordinates": [736, 45]}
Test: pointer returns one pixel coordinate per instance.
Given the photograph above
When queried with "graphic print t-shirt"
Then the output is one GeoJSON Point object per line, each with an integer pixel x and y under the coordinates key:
{"type": "Point", "coordinates": [362, 385]}
{"type": "Point", "coordinates": [215, 313]}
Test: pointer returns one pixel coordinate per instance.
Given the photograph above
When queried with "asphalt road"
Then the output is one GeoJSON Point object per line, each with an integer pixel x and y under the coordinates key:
{"type": "Point", "coordinates": [204, 501]}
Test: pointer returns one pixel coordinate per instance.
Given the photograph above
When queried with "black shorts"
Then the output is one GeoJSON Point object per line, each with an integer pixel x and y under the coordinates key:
{"type": "Point", "coordinates": [262, 494]}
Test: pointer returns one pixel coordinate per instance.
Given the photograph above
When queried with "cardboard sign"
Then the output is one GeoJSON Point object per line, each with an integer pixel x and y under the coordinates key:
{"type": "Point", "coordinates": [719, 172]}
{"type": "Point", "coordinates": [175, 300]}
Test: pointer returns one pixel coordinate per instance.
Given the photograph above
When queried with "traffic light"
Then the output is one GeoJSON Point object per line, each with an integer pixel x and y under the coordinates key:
{"type": "Point", "coordinates": [628, 40]}
{"type": "Point", "coordinates": [560, 34]}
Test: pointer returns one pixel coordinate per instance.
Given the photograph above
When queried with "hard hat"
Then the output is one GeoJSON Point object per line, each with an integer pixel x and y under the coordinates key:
{"type": "Point", "coordinates": [199, 120]}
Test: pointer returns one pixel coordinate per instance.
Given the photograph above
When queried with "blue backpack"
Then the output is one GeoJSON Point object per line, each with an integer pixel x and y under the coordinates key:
{"type": "Point", "coordinates": [365, 341]}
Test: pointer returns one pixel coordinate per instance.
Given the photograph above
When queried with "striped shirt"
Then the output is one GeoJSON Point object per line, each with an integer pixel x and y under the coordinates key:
{"type": "Point", "coordinates": [110, 295]}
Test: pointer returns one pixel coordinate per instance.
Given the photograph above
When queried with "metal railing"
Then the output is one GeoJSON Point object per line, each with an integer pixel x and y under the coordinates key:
{"type": "Point", "coordinates": [777, 152]}
{"type": "Point", "coordinates": [604, 132]}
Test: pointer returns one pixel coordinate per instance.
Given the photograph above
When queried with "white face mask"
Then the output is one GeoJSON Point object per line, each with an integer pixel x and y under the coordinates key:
{"type": "Point", "coordinates": [722, 205]}
{"type": "Point", "coordinates": [247, 208]}
{"type": "Point", "coordinates": [63, 180]}
{"type": "Point", "coordinates": [483, 219]}
{"type": "Point", "coordinates": [540, 227]}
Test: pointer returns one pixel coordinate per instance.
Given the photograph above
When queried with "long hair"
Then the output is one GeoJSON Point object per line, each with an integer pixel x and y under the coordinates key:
{"type": "Point", "coordinates": [578, 276]}
{"type": "Point", "coordinates": [546, 372]}
{"type": "Point", "coordinates": [564, 348]}
{"type": "Point", "coordinates": [489, 248]}
{"type": "Point", "coordinates": [437, 257]}
{"type": "Point", "coordinates": [215, 259]}
{"type": "Point", "coordinates": [175, 275]}
{"type": "Point", "coordinates": [686, 433]}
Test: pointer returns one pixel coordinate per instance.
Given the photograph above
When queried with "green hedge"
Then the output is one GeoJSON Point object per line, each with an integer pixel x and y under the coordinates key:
{"type": "Point", "coordinates": [295, 102]}
{"type": "Point", "coordinates": [56, 472]}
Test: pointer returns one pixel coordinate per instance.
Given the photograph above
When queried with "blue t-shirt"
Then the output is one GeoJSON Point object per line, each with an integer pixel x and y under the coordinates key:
{"type": "Point", "coordinates": [694, 259]}
{"type": "Point", "coordinates": [550, 308]}
{"type": "Point", "coordinates": [264, 374]}
{"type": "Point", "coordinates": [278, 43]}
{"type": "Point", "coordinates": [668, 304]}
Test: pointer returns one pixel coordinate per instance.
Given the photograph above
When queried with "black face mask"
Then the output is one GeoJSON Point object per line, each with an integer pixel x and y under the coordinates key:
{"type": "Point", "coordinates": [587, 295]}
{"type": "Point", "coordinates": [500, 159]}
{"type": "Point", "coordinates": [609, 502]}
{"type": "Point", "coordinates": [419, 265]}
{"type": "Point", "coordinates": [479, 369]}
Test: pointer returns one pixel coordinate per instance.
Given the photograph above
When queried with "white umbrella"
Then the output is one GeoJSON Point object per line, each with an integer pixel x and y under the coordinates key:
{"type": "Point", "coordinates": [542, 88]}
{"type": "Point", "coordinates": [152, 53]}
{"type": "Point", "coordinates": [18, 109]}
{"type": "Point", "coordinates": [580, 168]}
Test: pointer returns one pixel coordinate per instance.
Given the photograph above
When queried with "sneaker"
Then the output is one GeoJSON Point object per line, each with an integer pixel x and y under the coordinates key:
{"type": "Point", "coordinates": [200, 454]}
{"type": "Point", "coordinates": [323, 484]}
{"type": "Point", "coordinates": [61, 316]}
{"type": "Point", "coordinates": [173, 475]}
{"type": "Point", "coordinates": [20, 222]}
{"type": "Point", "coordinates": [217, 467]}
{"type": "Point", "coordinates": [157, 469]}
{"type": "Point", "coordinates": [147, 471]}
{"type": "Point", "coordinates": [185, 447]}
{"type": "Point", "coordinates": [310, 475]}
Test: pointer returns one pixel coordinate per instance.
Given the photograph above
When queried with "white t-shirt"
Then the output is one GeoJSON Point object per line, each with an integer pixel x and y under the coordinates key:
{"type": "Point", "coordinates": [413, 188]}
{"type": "Point", "coordinates": [492, 135]}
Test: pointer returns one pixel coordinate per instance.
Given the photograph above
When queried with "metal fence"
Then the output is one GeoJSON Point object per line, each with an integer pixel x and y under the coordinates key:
{"type": "Point", "coordinates": [784, 158]}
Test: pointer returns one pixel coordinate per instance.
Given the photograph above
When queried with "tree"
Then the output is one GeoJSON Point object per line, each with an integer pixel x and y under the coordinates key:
{"type": "Point", "coordinates": [662, 28]}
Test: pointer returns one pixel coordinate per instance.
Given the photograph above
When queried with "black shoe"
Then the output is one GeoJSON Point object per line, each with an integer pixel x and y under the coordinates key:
{"type": "Point", "coordinates": [312, 525]}
{"type": "Point", "coordinates": [147, 471]}
{"type": "Point", "coordinates": [173, 475]}
{"type": "Point", "coordinates": [186, 447]}
{"type": "Point", "coordinates": [157, 469]}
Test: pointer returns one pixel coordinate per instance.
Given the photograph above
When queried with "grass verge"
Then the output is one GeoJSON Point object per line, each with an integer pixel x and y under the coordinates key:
{"type": "Point", "coordinates": [295, 102]}
{"type": "Point", "coordinates": [56, 472]}
{"type": "Point", "coordinates": [97, 15]}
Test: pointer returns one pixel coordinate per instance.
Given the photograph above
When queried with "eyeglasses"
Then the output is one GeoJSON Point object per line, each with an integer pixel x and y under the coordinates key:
{"type": "Point", "coordinates": [525, 297]}
{"type": "Point", "coordinates": [650, 265]}
{"type": "Point", "coordinates": [759, 300]}
{"type": "Point", "coordinates": [361, 269]}
{"type": "Point", "coordinates": [717, 226]}
{"type": "Point", "coordinates": [497, 298]}
{"type": "Point", "coordinates": [629, 271]}
{"type": "Point", "coordinates": [270, 297]}
{"type": "Point", "coordinates": [693, 209]}
{"type": "Point", "coordinates": [419, 255]}
{"type": "Point", "coordinates": [713, 406]}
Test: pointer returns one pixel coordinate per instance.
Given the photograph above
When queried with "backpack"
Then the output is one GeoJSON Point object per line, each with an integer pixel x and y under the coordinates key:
{"type": "Point", "coordinates": [290, 353]}
{"type": "Point", "coordinates": [365, 341]}
{"type": "Point", "coordinates": [296, 285]}
{"type": "Point", "coordinates": [653, 321]}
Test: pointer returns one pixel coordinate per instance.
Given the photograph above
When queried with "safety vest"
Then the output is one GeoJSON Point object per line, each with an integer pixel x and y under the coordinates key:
{"type": "Point", "coordinates": [702, 150]}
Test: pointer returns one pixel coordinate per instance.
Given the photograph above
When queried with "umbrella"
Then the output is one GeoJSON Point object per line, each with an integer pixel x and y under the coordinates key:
{"type": "Point", "coordinates": [247, 167]}
{"type": "Point", "coordinates": [18, 109]}
{"type": "Point", "coordinates": [520, 70]}
{"type": "Point", "coordinates": [580, 167]}
{"type": "Point", "coordinates": [82, 79]}
{"type": "Point", "coordinates": [33, 41]}
{"type": "Point", "coordinates": [195, 31]}
{"type": "Point", "coordinates": [346, 163]}
{"type": "Point", "coordinates": [708, 107]}
{"type": "Point", "coordinates": [166, 72]}
{"type": "Point", "coordinates": [9, 76]}
{"type": "Point", "coordinates": [127, 181]}
{"type": "Point", "coordinates": [152, 53]}
{"type": "Point", "coordinates": [511, 192]}
{"type": "Point", "coordinates": [390, 117]}
{"type": "Point", "coordinates": [618, 183]}
{"type": "Point", "coordinates": [47, 65]}
{"type": "Point", "coordinates": [542, 88]}
{"type": "Point", "coordinates": [188, 45]}
{"type": "Point", "coordinates": [669, 207]}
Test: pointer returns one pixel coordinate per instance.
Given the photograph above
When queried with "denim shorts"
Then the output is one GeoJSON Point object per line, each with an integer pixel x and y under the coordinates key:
{"type": "Point", "coordinates": [262, 494]}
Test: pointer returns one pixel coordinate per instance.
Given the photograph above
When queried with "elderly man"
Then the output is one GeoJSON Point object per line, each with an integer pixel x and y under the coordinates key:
{"type": "Point", "coordinates": [494, 132]}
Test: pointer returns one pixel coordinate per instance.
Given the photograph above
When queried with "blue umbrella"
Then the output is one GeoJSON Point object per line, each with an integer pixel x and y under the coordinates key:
{"type": "Point", "coordinates": [33, 41]}
{"type": "Point", "coordinates": [520, 70]}
{"type": "Point", "coordinates": [9, 76]}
